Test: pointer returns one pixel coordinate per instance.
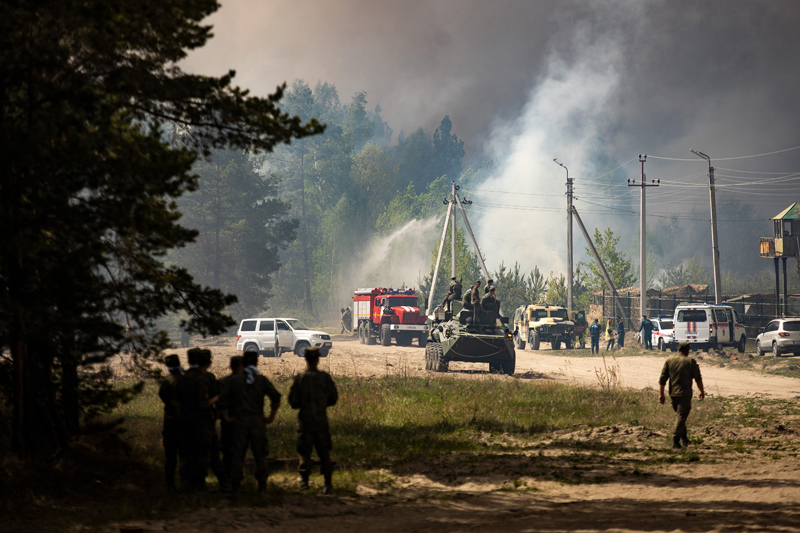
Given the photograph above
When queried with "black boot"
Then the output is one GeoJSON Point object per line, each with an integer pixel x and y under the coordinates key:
{"type": "Point", "coordinates": [676, 443]}
{"type": "Point", "coordinates": [328, 488]}
{"type": "Point", "coordinates": [304, 480]}
{"type": "Point", "coordinates": [684, 440]}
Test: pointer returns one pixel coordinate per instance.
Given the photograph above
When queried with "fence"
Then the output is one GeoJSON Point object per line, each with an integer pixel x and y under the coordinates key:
{"type": "Point", "coordinates": [755, 310]}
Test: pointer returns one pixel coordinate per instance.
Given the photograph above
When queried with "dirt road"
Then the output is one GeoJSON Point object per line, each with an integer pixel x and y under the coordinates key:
{"type": "Point", "coordinates": [349, 358]}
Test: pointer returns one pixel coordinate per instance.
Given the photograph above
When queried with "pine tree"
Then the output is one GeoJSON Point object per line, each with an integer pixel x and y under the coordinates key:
{"type": "Point", "coordinates": [88, 189]}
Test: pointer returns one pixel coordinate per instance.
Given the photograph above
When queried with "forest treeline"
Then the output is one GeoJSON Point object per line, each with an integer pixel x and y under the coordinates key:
{"type": "Point", "coordinates": [289, 231]}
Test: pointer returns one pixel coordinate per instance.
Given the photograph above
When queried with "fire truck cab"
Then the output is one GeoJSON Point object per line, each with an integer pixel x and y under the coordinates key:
{"type": "Point", "coordinates": [382, 314]}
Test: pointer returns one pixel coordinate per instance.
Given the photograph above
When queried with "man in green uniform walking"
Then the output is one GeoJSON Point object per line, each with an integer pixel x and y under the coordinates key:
{"type": "Point", "coordinates": [312, 392]}
{"type": "Point", "coordinates": [171, 434]}
{"type": "Point", "coordinates": [244, 401]}
{"type": "Point", "coordinates": [680, 370]}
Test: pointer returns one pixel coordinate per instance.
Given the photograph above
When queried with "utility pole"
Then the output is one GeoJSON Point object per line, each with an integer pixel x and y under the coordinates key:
{"type": "Point", "coordinates": [714, 239]}
{"type": "Point", "coordinates": [453, 235]}
{"type": "Point", "coordinates": [569, 238]}
{"type": "Point", "coordinates": [643, 235]}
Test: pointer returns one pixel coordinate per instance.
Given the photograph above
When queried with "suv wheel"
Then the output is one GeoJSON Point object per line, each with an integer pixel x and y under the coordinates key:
{"type": "Point", "coordinates": [775, 352]}
{"type": "Point", "coordinates": [250, 347]}
{"type": "Point", "coordinates": [742, 343]}
{"type": "Point", "coordinates": [300, 348]}
{"type": "Point", "coordinates": [758, 348]}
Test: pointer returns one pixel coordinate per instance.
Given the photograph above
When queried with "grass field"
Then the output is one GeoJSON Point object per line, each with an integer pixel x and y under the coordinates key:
{"type": "Point", "coordinates": [385, 428]}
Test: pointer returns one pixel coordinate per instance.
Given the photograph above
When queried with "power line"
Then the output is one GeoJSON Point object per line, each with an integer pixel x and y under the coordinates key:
{"type": "Point", "coordinates": [729, 158]}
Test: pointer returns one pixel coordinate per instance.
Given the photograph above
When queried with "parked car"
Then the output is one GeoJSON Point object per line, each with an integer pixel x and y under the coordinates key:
{"type": "Point", "coordinates": [663, 334]}
{"type": "Point", "coordinates": [780, 336]}
{"type": "Point", "coordinates": [276, 335]}
{"type": "Point", "coordinates": [708, 326]}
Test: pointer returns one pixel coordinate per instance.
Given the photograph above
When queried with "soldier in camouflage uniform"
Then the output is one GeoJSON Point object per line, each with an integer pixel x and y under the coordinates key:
{"type": "Point", "coordinates": [680, 370]}
{"type": "Point", "coordinates": [226, 421]}
{"type": "Point", "coordinates": [476, 304]}
{"type": "Point", "coordinates": [453, 293]}
{"type": "Point", "coordinates": [489, 301]}
{"type": "Point", "coordinates": [312, 392]}
{"type": "Point", "coordinates": [197, 400]}
{"type": "Point", "coordinates": [489, 286]}
{"type": "Point", "coordinates": [244, 402]}
{"type": "Point", "coordinates": [171, 434]}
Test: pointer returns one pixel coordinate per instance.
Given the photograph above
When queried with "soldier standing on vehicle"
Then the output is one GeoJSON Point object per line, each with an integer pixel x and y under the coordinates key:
{"type": "Point", "coordinates": [680, 370]}
{"type": "Point", "coordinates": [594, 336]}
{"type": "Point", "coordinates": [312, 392]}
{"type": "Point", "coordinates": [609, 336]}
{"type": "Point", "coordinates": [453, 293]}
{"type": "Point", "coordinates": [171, 433]}
{"type": "Point", "coordinates": [245, 404]}
{"type": "Point", "coordinates": [476, 304]}
{"type": "Point", "coordinates": [620, 333]}
{"type": "Point", "coordinates": [489, 286]}
{"type": "Point", "coordinates": [197, 419]}
{"type": "Point", "coordinates": [226, 421]}
{"type": "Point", "coordinates": [646, 330]}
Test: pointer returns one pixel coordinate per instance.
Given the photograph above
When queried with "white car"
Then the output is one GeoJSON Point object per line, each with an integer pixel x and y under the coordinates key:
{"type": "Point", "coordinates": [277, 335]}
{"type": "Point", "coordinates": [782, 335]}
{"type": "Point", "coordinates": [663, 335]}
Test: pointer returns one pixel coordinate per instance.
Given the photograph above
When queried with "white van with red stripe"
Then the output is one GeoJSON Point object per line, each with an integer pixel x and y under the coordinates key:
{"type": "Point", "coordinates": [708, 326]}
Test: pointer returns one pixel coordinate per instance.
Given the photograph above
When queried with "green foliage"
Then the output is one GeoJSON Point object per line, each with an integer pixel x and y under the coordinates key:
{"type": "Point", "coordinates": [467, 269]}
{"type": "Point", "coordinates": [88, 190]}
{"type": "Point", "coordinates": [241, 225]}
{"type": "Point", "coordinates": [346, 187]}
{"type": "Point", "coordinates": [515, 288]}
{"type": "Point", "coordinates": [618, 266]}
{"type": "Point", "coordinates": [692, 272]}
{"type": "Point", "coordinates": [556, 290]}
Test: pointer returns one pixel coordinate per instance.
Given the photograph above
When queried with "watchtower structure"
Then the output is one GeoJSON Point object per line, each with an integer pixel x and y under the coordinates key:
{"type": "Point", "coordinates": [784, 244]}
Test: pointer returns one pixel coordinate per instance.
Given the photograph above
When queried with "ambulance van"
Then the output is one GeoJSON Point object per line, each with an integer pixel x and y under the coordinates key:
{"type": "Point", "coordinates": [708, 326]}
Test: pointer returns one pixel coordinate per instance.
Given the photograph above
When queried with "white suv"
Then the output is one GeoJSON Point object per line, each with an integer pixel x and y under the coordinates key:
{"type": "Point", "coordinates": [276, 335]}
{"type": "Point", "coordinates": [780, 336]}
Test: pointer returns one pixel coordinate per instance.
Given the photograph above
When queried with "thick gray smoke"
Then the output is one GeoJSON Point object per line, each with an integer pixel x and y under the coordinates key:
{"type": "Point", "coordinates": [592, 83]}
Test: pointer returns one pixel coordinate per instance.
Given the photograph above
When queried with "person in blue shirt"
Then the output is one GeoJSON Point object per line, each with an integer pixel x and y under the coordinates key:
{"type": "Point", "coordinates": [646, 329]}
{"type": "Point", "coordinates": [594, 336]}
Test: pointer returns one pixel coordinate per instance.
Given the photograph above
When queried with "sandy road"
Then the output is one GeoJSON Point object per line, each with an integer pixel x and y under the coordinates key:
{"type": "Point", "coordinates": [350, 358]}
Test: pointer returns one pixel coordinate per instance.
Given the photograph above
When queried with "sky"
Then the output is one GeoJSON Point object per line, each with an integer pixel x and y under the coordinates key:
{"type": "Point", "coordinates": [593, 84]}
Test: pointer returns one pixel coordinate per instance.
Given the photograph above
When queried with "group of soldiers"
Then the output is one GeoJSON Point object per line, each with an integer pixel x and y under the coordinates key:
{"type": "Point", "coordinates": [195, 399]}
{"type": "Point", "coordinates": [473, 299]}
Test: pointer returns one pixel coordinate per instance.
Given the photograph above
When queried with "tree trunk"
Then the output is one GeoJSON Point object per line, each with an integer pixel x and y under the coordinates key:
{"type": "Point", "coordinates": [304, 238]}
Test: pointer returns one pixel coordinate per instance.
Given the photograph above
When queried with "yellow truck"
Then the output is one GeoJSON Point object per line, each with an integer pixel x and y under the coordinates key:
{"type": "Point", "coordinates": [535, 324]}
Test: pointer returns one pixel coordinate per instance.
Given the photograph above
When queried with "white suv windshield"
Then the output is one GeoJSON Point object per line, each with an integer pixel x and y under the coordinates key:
{"type": "Point", "coordinates": [296, 324]}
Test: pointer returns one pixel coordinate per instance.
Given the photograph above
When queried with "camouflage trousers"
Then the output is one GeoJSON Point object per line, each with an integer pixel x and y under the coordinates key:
{"type": "Point", "coordinates": [250, 431]}
{"type": "Point", "coordinates": [307, 441]}
{"type": "Point", "coordinates": [681, 405]}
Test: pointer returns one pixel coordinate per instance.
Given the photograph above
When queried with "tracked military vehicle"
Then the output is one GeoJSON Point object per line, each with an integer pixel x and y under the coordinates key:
{"type": "Point", "coordinates": [454, 337]}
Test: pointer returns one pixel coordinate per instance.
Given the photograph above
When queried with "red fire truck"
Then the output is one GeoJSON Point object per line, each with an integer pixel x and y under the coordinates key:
{"type": "Point", "coordinates": [380, 313]}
